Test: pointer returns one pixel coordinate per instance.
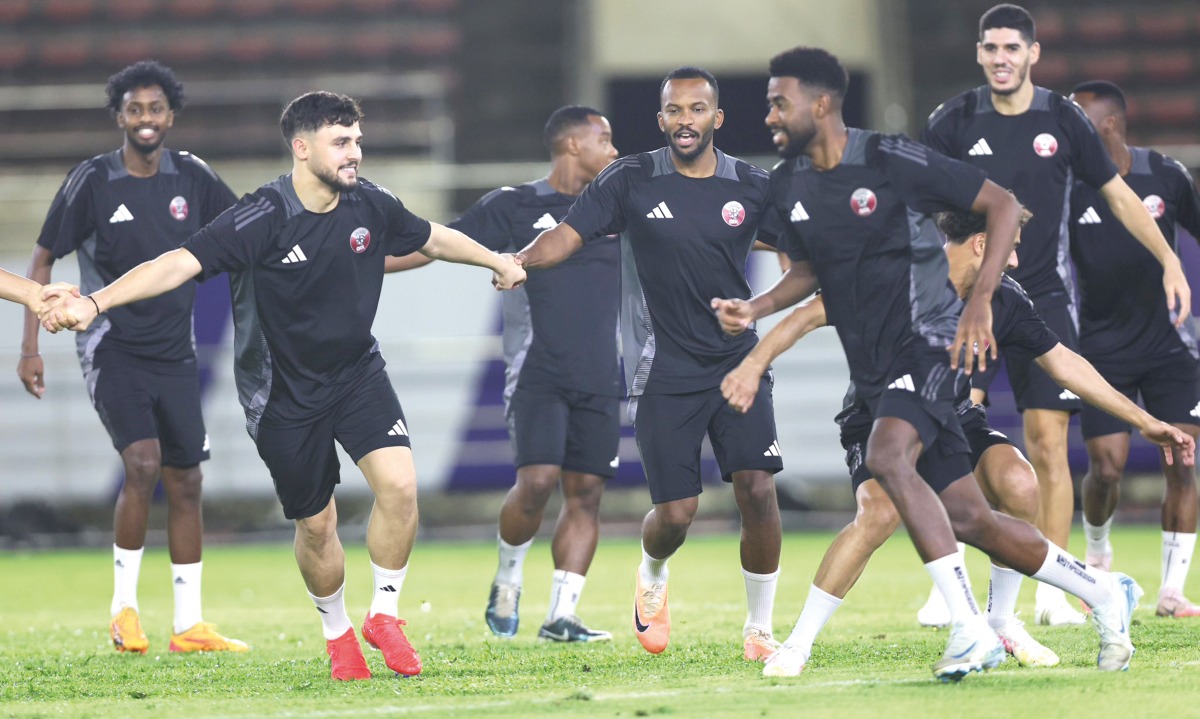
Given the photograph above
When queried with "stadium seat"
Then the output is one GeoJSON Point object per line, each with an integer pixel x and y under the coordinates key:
{"type": "Point", "coordinates": [251, 47]}
{"type": "Point", "coordinates": [1168, 66]}
{"type": "Point", "coordinates": [68, 11]}
{"type": "Point", "coordinates": [13, 11]}
{"type": "Point", "coordinates": [311, 47]}
{"type": "Point", "coordinates": [438, 42]}
{"type": "Point", "coordinates": [375, 44]}
{"type": "Point", "coordinates": [65, 52]}
{"type": "Point", "coordinates": [1164, 25]}
{"type": "Point", "coordinates": [194, 9]}
{"type": "Point", "coordinates": [130, 10]}
{"type": "Point", "coordinates": [1100, 26]}
{"type": "Point", "coordinates": [1049, 26]}
{"type": "Point", "coordinates": [122, 50]}
{"type": "Point", "coordinates": [1171, 109]}
{"type": "Point", "coordinates": [1053, 71]}
{"type": "Point", "coordinates": [1115, 66]}
{"type": "Point", "coordinates": [373, 7]}
{"type": "Point", "coordinates": [311, 7]}
{"type": "Point", "coordinates": [437, 6]}
{"type": "Point", "coordinates": [188, 49]}
{"type": "Point", "coordinates": [253, 8]}
{"type": "Point", "coordinates": [13, 54]}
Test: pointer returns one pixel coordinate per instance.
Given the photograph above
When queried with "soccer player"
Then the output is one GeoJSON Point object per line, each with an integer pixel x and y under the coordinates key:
{"type": "Point", "coordinates": [1034, 142]}
{"type": "Point", "coordinates": [849, 202]}
{"type": "Point", "coordinates": [1128, 333]}
{"type": "Point", "coordinates": [563, 385]}
{"type": "Point", "coordinates": [1004, 475]}
{"type": "Point", "coordinates": [118, 210]}
{"type": "Point", "coordinates": [305, 253]}
{"type": "Point", "coordinates": [690, 214]}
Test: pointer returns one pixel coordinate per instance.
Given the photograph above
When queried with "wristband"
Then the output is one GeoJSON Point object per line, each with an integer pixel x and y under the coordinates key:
{"type": "Point", "coordinates": [95, 304]}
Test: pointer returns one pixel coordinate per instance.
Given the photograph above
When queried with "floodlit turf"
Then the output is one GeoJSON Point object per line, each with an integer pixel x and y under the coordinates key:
{"type": "Point", "coordinates": [56, 659]}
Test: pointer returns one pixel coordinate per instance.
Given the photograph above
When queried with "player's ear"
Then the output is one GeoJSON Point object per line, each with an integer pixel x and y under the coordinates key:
{"type": "Point", "coordinates": [1035, 52]}
{"type": "Point", "coordinates": [662, 123]}
{"type": "Point", "coordinates": [979, 243]}
{"type": "Point", "coordinates": [299, 147]}
{"type": "Point", "coordinates": [720, 119]}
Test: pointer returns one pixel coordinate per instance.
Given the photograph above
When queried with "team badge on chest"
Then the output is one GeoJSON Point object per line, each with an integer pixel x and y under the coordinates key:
{"type": "Point", "coordinates": [1155, 205]}
{"type": "Point", "coordinates": [1045, 145]}
{"type": "Point", "coordinates": [178, 208]}
{"type": "Point", "coordinates": [360, 240]}
{"type": "Point", "coordinates": [862, 202]}
{"type": "Point", "coordinates": [733, 213]}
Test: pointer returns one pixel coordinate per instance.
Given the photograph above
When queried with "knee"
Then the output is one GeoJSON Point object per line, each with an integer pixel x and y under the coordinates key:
{"type": "Point", "coordinates": [877, 519]}
{"type": "Point", "coordinates": [971, 524]}
{"type": "Point", "coordinates": [183, 484]}
{"type": "Point", "coordinates": [755, 492]}
{"type": "Point", "coordinates": [317, 530]}
{"type": "Point", "coordinates": [1105, 468]}
{"type": "Point", "coordinates": [675, 518]}
{"type": "Point", "coordinates": [1017, 493]}
{"type": "Point", "coordinates": [141, 469]}
{"type": "Point", "coordinates": [584, 495]}
{"type": "Point", "coordinates": [537, 485]}
{"type": "Point", "coordinates": [1046, 442]}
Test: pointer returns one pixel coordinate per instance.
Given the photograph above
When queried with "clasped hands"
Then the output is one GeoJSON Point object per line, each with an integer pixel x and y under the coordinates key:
{"type": "Point", "coordinates": [62, 307]}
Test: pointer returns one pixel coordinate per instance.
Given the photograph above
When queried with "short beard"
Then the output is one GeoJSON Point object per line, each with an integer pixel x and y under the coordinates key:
{"type": "Point", "coordinates": [146, 148]}
{"type": "Point", "coordinates": [706, 139]}
{"type": "Point", "coordinates": [1022, 76]}
{"type": "Point", "coordinates": [796, 144]}
{"type": "Point", "coordinates": [335, 182]}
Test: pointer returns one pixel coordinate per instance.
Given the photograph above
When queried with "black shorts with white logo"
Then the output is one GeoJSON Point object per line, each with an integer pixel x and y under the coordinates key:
{"type": "Point", "coordinates": [1032, 387]}
{"type": "Point", "coordinates": [980, 435]}
{"type": "Point", "coordinates": [671, 427]}
{"type": "Point", "coordinates": [578, 431]}
{"type": "Point", "coordinates": [1169, 387]}
{"type": "Point", "coordinates": [136, 401]}
{"type": "Point", "coordinates": [301, 457]}
{"type": "Point", "coordinates": [922, 393]}
{"type": "Point", "coordinates": [940, 467]}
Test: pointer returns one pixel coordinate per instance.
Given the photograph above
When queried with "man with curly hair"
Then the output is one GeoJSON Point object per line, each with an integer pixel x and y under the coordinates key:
{"type": "Point", "coordinates": [116, 211]}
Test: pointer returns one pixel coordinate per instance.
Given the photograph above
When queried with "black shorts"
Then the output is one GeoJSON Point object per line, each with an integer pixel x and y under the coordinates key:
{"type": "Point", "coordinates": [939, 468]}
{"type": "Point", "coordinates": [578, 431]}
{"type": "Point", "coordinates": [301, 457]}
{"type": "Point", "coordinates": [922, 392]}
{"type": "Point", "coordinates": [136, 402]}
{"type": "Point", "coordinates": [670, 429]}
{"type": "Point", "coordinates": [1169, 388]}
{"type": "Point", "coordinates": [980, 435]}
{"type": "Point", "coordinates": [1032, 387]}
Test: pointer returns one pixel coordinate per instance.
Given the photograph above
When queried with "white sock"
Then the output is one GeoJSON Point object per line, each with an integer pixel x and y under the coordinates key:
{"type": "Point", "coordinates": [334, 620]}
{"type": "Point", "coordinates": [1097, 537]}
{"type": "Point", "coordinates": [1003, 589]}
{"type": "Point", "coordinates": [950, 575]}
{"type": "Point", "coordinates": [818, 608]}
{"type": "Point", "coordinates": [654, 571]}
{"type": "Point", "coordinates": [127, 564]}
{"type": "Point", "coordinates": [512, 561]}
{"type": "Point", "coordinates": [185, 578]}
{"type": "Point", "coordinates": [1177, 548]}
{"type": "Point", "coordinates": [760, 600]}
{"type": "Point", "coordinates": [1048, 595]}
{"type": "Point", "coordinates": [565, 589]}
{"type": "Point", "coordinates": [388, 583]}
{"type": "Point", "coordinates": [1067, 573]}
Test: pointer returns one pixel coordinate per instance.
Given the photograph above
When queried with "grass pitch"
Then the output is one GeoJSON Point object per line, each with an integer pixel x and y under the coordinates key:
{"type": "Point", "coordinates": [873, 659]}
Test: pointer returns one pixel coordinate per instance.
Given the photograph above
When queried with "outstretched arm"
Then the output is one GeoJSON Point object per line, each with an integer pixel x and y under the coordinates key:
{"type": "Point", "coordinates": [453, 246]}
{"type": "Point", "coordinates": [550, 247]}
{"type": "Point", "coordinates": [740, 386]}
{"type": "Point", "coordinates": [410, 261]}
{"type": "Point", "coordinates": [975, 325]}
{"type": "Point", "coordinates": [736, 316]}
{"type": "Point", "coordinates": [1075, 373]}
{"type": "Point", "coordinates": [21, 290]}
{"type": "Point", "coordinates": [149, 279]}
{"type": "Point", "coordinates": [1128, 208]}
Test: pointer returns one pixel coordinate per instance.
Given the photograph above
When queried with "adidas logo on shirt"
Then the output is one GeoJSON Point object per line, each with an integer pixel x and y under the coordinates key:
{"type": "Point", "coordinates": [799, 214]}
{"type": "Point", "coordinates": [661, 212]}
{"type": "Point", "coordinates": [1068, 394]}
{"type": "Point", "coordinates": [980, 148]}
{"type": "Point", "coordinates": [773, 450]}
{"type": "Point", "coordinates": [904, 383]}
{"type": "Point", "coordinates": [121, 215]}
{"type": "Point", "coordinates": [296, 255]}
{"type": "Point", "coordinates": [1090, 217]}
{"type": "Point", "coordinates": [545, 222]}
{"type": "Point", "coordinates": [1195, 412]}
{"type": "Point", "coordinates": [398, 429]}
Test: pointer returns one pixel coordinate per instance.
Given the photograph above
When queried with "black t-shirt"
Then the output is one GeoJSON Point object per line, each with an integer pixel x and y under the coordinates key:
{"type": "Point", "coordinates": [1124, 315]}
{"type": "Point", "coordinates": [864, 227]}
{"type": "Point", "coordinates": [115, 222]}
{"type": "Point", "coordinates": [305, 292]}
{"type": "Point", "coordinates": [1019, 330]}
{"type": "Point", "coordinates": [685, 241]}
{"type": "Point", "coordinates": [560, 328]}
{"type": "Point", "coordinates": [1038, 154]}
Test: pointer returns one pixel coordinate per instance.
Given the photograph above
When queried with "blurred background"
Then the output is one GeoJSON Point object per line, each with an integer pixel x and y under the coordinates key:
{"type": "Point", "coordinates": [455, 94]}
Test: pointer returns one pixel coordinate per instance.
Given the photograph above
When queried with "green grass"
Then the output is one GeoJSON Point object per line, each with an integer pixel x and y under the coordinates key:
{"type": "Point", "coordinates": [55, 657]}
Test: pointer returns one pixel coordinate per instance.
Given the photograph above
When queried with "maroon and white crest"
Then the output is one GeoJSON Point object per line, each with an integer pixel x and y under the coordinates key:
{"type": "Point", "coordinates": [1155, 205]}
{"type": "Point", "coordinates": [1045, 145]}
{"type": "Point", "coordinates": [733, 213]}
{"type": "Point", "coordinates": [360, 240]}
{"type": "Point", "coordinates": [862, 202]}
{"type": "Point", "coordinates": [178, 208]}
